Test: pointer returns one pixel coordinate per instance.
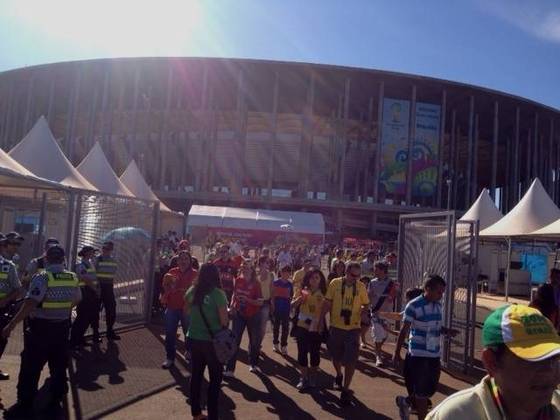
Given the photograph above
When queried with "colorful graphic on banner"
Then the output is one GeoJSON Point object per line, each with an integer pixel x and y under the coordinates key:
{"type": "Point", "coordinates": [394, 146]}
{"type": "Point", "coordinates": [425, 150]}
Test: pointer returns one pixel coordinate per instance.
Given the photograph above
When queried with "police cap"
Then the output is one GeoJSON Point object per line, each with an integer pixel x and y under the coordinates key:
{"type": "Point", "coordinates": [50, 242]}
{"type": "Point", "coordinates": [85, 249]}
{"type": "Point", "coordinates": [14, 237]}
{"type": "Point", "coordinates": [55, 252]}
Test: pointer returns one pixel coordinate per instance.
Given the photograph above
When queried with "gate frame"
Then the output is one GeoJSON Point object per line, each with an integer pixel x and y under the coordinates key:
{"type": "Point", "coordinates": [450, 218]}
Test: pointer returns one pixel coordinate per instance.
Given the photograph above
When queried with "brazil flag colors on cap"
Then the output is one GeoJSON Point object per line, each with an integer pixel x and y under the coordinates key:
{"type": "Point", "coordinates": [525, 331]}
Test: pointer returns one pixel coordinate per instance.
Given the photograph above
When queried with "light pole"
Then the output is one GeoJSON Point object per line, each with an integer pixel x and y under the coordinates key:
{"type": "Point", "coordinates": [448, 183]}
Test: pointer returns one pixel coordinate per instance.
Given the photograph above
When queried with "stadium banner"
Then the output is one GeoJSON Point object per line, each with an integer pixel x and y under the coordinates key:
{"type": "Point", "coordinates": [425, 151]}
{"type": "Point", "coordinates": [394, 146]}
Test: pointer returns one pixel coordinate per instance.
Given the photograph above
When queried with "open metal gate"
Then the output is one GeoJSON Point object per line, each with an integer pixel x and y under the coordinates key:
{"type": "Point", "coordinates": [438, 243]}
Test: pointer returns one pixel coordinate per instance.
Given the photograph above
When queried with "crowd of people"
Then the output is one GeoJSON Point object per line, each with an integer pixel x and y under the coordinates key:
{"type": "Point", "coordinates": [317, 297]}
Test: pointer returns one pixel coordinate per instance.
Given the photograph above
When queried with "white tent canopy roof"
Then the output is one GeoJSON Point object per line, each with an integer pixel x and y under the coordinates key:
{"type": "Point", "coordinates": [534, 211]}
{"type": "Point", "coordinates": [97, 170]}
{"type": "Point", "coordinates": [256, 219]}
{"type": "Point", "coordinates": [483, 210]}
{"type": "Point", "coordinates": [133, 180]}
{"type": "Point", "coordinates": [39, 152]}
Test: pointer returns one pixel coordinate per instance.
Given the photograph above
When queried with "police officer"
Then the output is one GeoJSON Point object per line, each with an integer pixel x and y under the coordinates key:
{"type": "Point", "coordinates": [106, 269]}
{"type": "Point", "coordinates": [12, 244]}
{"type": "Point", "coordinates": [37, 264]}
{"type": "Point", "coordinates": [48, 304]}
{"type": "Point", "coordinates": [88, 309]}
{"type": "Point", "coordinates": [10, 290]}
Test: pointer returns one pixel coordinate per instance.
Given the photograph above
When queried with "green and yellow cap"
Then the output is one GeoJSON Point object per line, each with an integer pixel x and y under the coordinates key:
{"type": "Point", "coordinates": [525, 331]}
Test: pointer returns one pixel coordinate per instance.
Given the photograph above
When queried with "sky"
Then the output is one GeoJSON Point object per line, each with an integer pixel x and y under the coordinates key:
{"type": "Point", "coordinates": [508, 45]}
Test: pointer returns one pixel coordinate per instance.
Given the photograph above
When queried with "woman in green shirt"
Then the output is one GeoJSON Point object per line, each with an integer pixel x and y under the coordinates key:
{"type": "Point", "coordinates": [205, 296]}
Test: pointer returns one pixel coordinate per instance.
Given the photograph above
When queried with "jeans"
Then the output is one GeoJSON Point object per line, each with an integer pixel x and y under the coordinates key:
{"type": "Point", "coordinates": [281, 320]}
{"type": "Point", "coordinates": [253, 325]}
{"type": "Point", "coordinates": [172, 319]}
{"type": "Point", "coordinates": [202, 355]}
{"type": "Point", "coordinates": [265, 315]}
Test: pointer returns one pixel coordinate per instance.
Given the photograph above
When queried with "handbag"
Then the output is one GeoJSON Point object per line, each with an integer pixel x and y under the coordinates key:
{"type": "Point", "coordinates": [224, 341]}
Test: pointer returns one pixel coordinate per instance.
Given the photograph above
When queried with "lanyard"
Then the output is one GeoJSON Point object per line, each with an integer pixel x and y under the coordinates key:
{"type": "Point", "coordinates": [353, 295]}
{"type": "Point", "coordinates": [545, 413]}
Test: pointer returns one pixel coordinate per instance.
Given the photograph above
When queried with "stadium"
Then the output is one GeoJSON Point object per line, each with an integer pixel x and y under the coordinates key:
{"type": "Point", "coordinates": [292, 136]}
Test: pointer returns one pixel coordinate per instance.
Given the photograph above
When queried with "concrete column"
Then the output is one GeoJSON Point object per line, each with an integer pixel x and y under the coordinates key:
{"type": "Point", "coordinates": [494, 151]}
{"type": "Point", "coordinates": [368, 150]}
{"type": "Point", "coordinates": [474, 189]}
{"type": "Point", "coordinates": [90, 135]}
{"type": "Point", "coordinates": [201, 131]}
{"type": "Point", "coordinates": [452, 167]}
{"type": "Point", "coordinates": [344, 137]}
{"type": "Point", "coordinates": [133, 147]}
{"type": "Point", "coordinates": [456, 166]}
{"type": "Point", "coordinates": [307, 139]}
{"type": "Point", "coordinates": [50, 105]}
{"type": "Point", "coordinates": [411, 140]}
{"type": "Point", "coordinates": [29, 105]}
{"type": "Point", "coordinates": [505, 198]}
{"type": "Point", "coordinates": [468, 189]}
{"type": "Point", "coordinates": [72, 114]}
{"type": "Point", "coordinates": [163, 133]}
{"type": "Point", "coordinates": [550, 161]}
{"type": "Point", "coordinates": [8, 114]}
{"type": "Point", "coordinates": [528, 170]}
{"type": "Point", "coordinates": [516, 171]}
{"type": "Point", "coordinates": [378, 148]}
{"type": "Point", "coordinates": [535, 153]}
{"type": "Point", "coordinates": [241, 177]}
{"type": "Point", "coordinates": [440, 147]}
{"type": "Point", "coordinates": [104, 101]}
{"type": "Point", "coordinates": [274, 122]}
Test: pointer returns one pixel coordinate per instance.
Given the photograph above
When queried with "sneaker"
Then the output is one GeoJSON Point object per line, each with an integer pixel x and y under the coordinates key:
{"type": "Point", "coordinates": [167, 364]}
{"type": "Point", "coordinates": [404, 407]}
{"type": "Point", "coordinates": [338, 381]}
{"type": "Point", "coordinates": [302, 385]}
{"type": "Point", "coordinates": [4, 376]}
{"type": "Point", "coordinates": [378, 361]}
{"type": "Point", "coordinates": [284, 350]}
{"type": "Point", "coordinates": [276, 348]}
{"type": "Point", "coordinates": [312, 380]}
{"type": "Point", "coordinates": [253, 369]}
{"type": "Point", "coordinates": [228, 374]}
{"type": "Point", "coordinates": [345, 397]}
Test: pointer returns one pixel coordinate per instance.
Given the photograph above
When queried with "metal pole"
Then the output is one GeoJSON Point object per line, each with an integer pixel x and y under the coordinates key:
{"type": "Point", "coordinates": [508, 270]}
{"type": "Point", "coordinates": [150, 275]}
{"type": "Point", "coordinates": [42, 216]}
{"type": "Point", "coordinates": [70, 227]}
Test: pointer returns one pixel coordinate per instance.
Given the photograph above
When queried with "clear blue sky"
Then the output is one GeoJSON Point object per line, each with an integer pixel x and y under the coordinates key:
{"type": "Point", "coordinates": [508, 45]}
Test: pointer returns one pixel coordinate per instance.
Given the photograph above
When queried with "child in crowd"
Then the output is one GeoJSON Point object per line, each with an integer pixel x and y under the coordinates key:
{"type": "Point", "coordinates": [309, 300]}
{"type": "Point", "coordinates": [282, 293]}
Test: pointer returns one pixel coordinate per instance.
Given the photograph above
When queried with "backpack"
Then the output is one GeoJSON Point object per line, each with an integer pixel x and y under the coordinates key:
{"type": "Point", "coordinates": [224, 341]}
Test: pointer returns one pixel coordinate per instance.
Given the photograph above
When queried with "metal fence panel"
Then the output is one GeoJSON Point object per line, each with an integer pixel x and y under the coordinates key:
{"type": "Point", "coordinates": [129, 223]}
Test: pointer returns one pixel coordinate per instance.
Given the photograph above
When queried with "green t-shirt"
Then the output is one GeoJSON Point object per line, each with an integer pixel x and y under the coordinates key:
{"type": "Point", "coordinates": [212, 301]}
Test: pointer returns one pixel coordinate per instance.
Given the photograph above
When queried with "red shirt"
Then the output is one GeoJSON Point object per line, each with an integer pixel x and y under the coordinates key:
{"type": "Point", "coordinates": [176, 283]}
{"type": "Point", "coordinates": [250, 291]}
{"type": "Point", "coordinates": [228, 271]}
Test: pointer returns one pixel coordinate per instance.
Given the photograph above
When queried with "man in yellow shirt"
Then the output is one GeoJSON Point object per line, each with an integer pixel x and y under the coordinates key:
{"type": "Point", "coordinates": [300, 274]}
{"type": "Point", "coordinates": [345, 300]}
{"type": "Point", "coordinates": [522, 357]}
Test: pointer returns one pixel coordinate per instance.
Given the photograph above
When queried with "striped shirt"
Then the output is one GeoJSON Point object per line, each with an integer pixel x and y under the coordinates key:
{"type": "Point", "coordinates": [425, 329]}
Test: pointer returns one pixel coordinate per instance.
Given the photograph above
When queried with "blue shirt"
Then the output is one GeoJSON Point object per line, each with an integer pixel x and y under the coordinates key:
{"type": "Point", "coordinates": [282, 291]}
{"type": "Point", "coordinates": [425, 329]}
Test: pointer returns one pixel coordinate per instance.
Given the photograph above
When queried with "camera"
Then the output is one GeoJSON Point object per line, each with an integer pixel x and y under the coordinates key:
{"type": "Point", "coordinates": [346, 314]}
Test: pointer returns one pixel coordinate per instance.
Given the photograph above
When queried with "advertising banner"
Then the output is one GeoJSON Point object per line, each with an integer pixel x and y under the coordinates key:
{"type": "Point", "coordinates": [425, 151]}
{"type": "Point", "coordinates": [394, 146]}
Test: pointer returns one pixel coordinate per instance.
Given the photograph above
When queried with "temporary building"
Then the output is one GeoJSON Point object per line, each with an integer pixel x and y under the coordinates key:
{"type": "Point", "coordinates": [483, 210]}
{"type": "Point", "coordinates": [254, 225]}
{"type": "Point", "coordinates": [98, 171]}
{"type": "Point", "coordinates": [534, 211]}
{"type": "Point", "coordinates": [39, 152]}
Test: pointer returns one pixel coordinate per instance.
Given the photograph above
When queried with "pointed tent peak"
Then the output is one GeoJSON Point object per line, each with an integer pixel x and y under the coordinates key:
{"type": "Point", "coordinates": [534, 211]}
{"type": "Point", "coordinates": [484, 210]}
{"type": "Point", "coordinates": [39, 152]}
{"type": "Point", "coordinates": [133, 180]}
{"type": "Point", "coordinates": [98, 171]}
{"type": "Point", "coordinates": [7, 162]}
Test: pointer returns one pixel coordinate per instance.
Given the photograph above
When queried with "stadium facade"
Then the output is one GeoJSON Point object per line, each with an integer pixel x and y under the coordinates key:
{"type": "Point", "coordinates": [292, 136]}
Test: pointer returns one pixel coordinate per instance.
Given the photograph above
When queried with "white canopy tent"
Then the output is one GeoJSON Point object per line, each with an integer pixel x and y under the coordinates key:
{"type": "Point", "coordinates": [98, 171]}
{"type": "Point", "coordinates": [534, 211]}
{"type": "Point", "coordinates": [39, 152]}
{"type": "Point", "coordinates": [133, 180]}
{"type": "Point", "coordinates": [484, 211]}
{"type": "Point", "coordinates": [256, 219]}
{"type": "Point", "coordinates": [12, 174]}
